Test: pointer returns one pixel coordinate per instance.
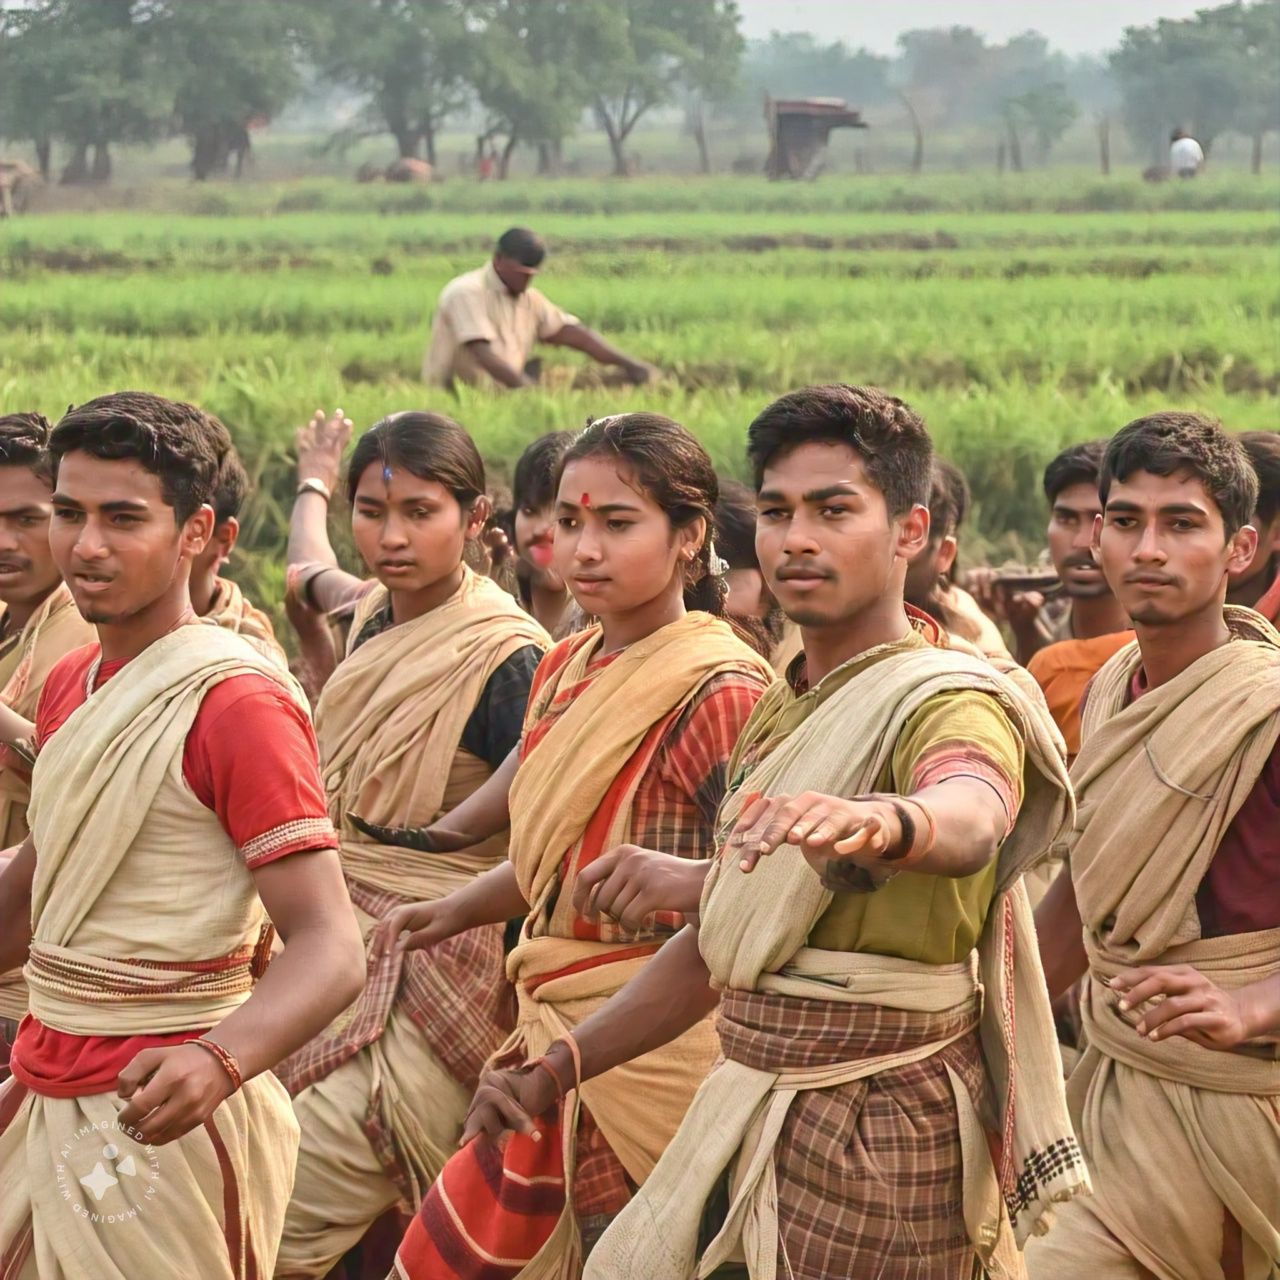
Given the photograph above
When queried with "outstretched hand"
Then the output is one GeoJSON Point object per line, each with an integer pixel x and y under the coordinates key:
{"type": "Point", "coordinates": [320, 445]}
{"type": "Point", "coordinates": [823, 828]}
{"type": "Point", "coordinates": [1184, 1003]}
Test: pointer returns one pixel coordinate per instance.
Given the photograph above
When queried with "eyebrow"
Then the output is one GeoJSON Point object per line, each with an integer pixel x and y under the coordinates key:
{"type": "Point", "coordinates": [1173, 509]}
{"type": "Point", "coordinates": [844, 489]}
{"type": "Point", "coordinates": [604, 509]}
{"type": "Point", "coordinates": [121, 504]}
{"type": "Point", "coordinates": [382, 502]}
{"type": "Point", "coordinates": [11, 512]}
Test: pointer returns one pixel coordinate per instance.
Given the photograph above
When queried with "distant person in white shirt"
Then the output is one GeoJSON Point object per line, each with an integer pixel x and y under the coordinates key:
{"type": "Point", "coordinates": [1186, 156]}
{"type": "Point", "coordinates": [488, 321]}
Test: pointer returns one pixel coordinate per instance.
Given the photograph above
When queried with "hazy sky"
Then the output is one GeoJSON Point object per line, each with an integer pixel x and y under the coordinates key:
{"type": "Point", "coordinates": [1074, 26]}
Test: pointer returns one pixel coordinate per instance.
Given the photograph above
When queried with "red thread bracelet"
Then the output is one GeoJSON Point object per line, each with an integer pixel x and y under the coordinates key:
{"type": "Point", "coordinates": [224, 1056]}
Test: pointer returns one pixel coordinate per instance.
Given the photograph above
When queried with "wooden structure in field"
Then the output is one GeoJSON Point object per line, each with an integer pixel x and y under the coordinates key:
{"type": "Point", "coordinates": [798, 132]}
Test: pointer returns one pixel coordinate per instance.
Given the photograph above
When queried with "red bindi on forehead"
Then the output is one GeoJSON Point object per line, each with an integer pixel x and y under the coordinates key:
{"type": "Point", "coordinates": [586, 500]}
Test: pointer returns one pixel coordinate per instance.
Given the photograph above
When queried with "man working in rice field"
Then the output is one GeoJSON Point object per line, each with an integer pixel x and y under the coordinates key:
{"type": "Point", "coordinates": [488, 321]}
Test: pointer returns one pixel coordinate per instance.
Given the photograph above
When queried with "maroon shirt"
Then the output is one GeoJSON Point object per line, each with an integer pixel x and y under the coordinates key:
{"type": "Point", "coordinates": [1240, 892]}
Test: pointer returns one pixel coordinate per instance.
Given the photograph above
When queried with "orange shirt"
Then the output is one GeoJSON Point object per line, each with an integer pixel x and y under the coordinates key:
{"type": "Point", "coordinates": [1063, 670]}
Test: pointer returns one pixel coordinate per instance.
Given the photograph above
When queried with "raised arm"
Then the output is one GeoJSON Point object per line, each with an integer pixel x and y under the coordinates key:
{"type": "Point", "coordinates": [320, 446]}
{"type": "Point", "coordinates": [590, 343]}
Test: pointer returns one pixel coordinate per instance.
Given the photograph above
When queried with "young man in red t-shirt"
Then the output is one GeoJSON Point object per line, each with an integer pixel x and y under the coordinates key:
{"type": "Point", "coordinates": [176, 808]}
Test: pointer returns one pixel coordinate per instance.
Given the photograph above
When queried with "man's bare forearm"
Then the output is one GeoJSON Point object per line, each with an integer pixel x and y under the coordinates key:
{"type": "Point", "coordinates": [590, 343]}
{"type": "Point", "coordinates": [496, 367]}
{"type": "Point", "coordinates": [671, 994]}
{"type": "Point", "coordinates": [1061, 936]}
{"type": "Point", "coordinates": [318, 974]}
{"type": "Point", "coordinates": [971, 823]}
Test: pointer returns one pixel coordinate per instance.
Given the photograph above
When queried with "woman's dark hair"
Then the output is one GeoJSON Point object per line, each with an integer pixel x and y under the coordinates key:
{"type": "Point", "coordinates": [427, 445]}
{"type": "Point", "coordinates": [736, 526]}
{"type": "Point", "coordinates": [736, 542]}
{"type": "Point", "coordinates": [182, 445]}
{"type": "Point", "coordinates": [24, 442]}
{"type": "Point", "coordinates": [536, 475]}
{"type": "Point", "coordinates": [1165, 444]}
{"type": "Point", "coordinates": [886, 433]}
{"type": "Point", "coordinates": [672, 468]}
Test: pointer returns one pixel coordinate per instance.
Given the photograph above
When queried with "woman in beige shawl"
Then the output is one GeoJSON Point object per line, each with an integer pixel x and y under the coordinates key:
{"type": "Point", "coordinates": [428, 702]}
{"type": "Point", "coordinates": [628, 734]}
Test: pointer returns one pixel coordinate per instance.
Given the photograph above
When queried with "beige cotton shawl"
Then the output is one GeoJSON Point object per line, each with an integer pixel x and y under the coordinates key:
{"type": "Point", "coordinates": [52, 632]}
{"type": "Point", "coordinates": [1159, 782]}
{"type": "Point", "coordinates": [558, 789]}
{"type": "Point", "coordinates": [753, 937]}
{"type": "Point", "coordinates": [389, 723]}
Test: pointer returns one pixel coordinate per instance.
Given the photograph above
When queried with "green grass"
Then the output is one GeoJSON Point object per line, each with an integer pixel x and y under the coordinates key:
{"type": "Point", "coordinates": [1017, 315]}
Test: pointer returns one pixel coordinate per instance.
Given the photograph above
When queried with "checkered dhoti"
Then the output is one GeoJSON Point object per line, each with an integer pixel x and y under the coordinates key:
{"type": "Point", "coordinates": [869, 1174]}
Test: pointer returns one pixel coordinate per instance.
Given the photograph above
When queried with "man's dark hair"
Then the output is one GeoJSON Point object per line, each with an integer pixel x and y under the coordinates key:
{"type": "Point", "coordinates": [886, 433]}
{"type": "Point", "coordinates": [1076, 464]}
{"type": "Point", "coordinates": [1166, 444]}
{"type": "Point", "coordinates": [534, 483]}
{"type": "Point", "coordinates": [24, 442]}
{"type": "Point", "coordinates": [183, 445]}
{"type": "Point", "coordinates": [231, 488]}
{"type": "Point", "coordinates": [523, 246]}
{"type": "Point", "coordinates": [1263, 451]}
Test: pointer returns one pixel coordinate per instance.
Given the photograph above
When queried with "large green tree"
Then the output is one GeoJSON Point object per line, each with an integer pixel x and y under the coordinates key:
{"type": "Point", "coordinates": [240, 61]}
{"type": "Point", "coordinates": [657, 48]}
{"type": "Point", "coordinates": [412, 59]}
{"type": "Point", "coordinates": [91, 73]}
{"type": "Point", "coordinates": [528, 69]}
{"type": "Point", "coordinates": [1209, 74]}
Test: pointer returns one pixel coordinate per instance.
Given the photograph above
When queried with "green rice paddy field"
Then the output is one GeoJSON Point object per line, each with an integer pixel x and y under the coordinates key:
{"type": "Point", "coordinates": [1018, 317]}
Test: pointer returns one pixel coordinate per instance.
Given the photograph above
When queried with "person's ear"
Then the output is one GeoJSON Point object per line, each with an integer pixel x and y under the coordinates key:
{"type": "Point", "coordinates": [228, 534]}
{"type": "Point", "coordinates": [197, 531]}
{"type": "Point", "coordinates": [1095, 541]}
{"type": "Point", "coordinates": [478, 516]}
{"type": "Point", "coordinates": [1242, 546]}
{"type": "Point", "coordinates": [947, 552]}
{"type": "Point", "coordinates": [913, 532]}
{"type": "Point", "coordinates": [689, 539]}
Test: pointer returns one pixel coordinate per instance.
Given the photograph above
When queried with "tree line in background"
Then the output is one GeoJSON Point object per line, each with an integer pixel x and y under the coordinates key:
{"type": "Point", "coordinates": [87, 75]}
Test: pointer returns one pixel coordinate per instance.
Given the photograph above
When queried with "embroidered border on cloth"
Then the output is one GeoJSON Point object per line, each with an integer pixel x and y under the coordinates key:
{"type": "Point", "coordinates": [1040, 1169]}
{"type": "Point", "coordinates": [289, 837]}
